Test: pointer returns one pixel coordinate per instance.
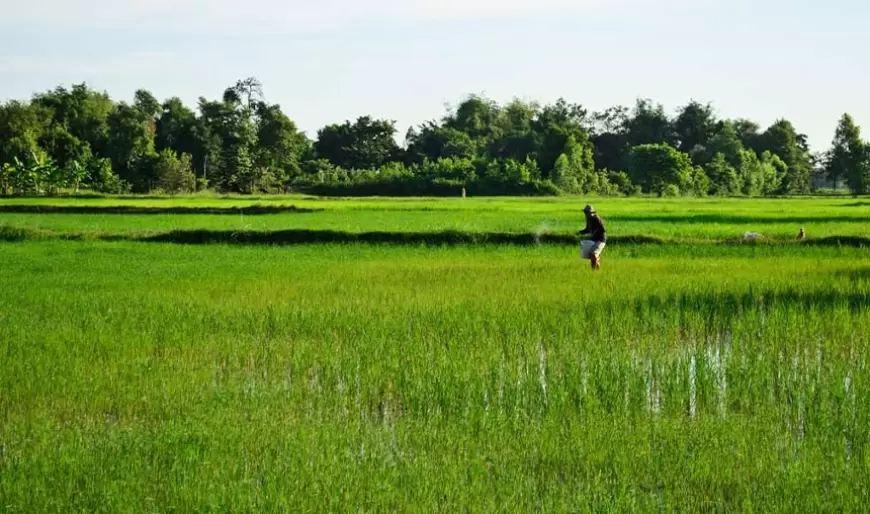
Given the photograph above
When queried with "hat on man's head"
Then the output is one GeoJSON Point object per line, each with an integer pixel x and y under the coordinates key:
{"type": "Point", "coordinates": [588, 209]}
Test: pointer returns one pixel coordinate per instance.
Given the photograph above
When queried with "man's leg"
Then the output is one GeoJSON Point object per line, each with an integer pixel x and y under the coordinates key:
{"type": "Point", "coordinates": [596, 255]}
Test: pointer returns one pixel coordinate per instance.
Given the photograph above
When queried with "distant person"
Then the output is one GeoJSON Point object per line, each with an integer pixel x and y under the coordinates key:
{"type": "Point", "coordinates": [597, 236]}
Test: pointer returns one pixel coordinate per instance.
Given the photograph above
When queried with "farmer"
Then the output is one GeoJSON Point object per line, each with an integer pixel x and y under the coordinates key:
{"type": "Point", "coordinates": [597, 234]}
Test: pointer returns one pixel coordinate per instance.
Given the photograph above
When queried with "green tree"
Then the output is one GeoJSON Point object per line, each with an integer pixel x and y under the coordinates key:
{"type": "Point", "coordinates": [178, 129]}
{"type": "Point", "coordinates": [64, 147]}
{"type": "Point", "coordinates": [774, 171]}
{"type": "Point", "coordinates": [748, 133]}
{"type": "Point", "coordinates": [280, 145]}
{"type": "Point", "coordinates": [563, 175]}
{"type": "Point", "coordinates": [476, 116]}
{"type": "Point", "coordinates": [724, 141]}
{"type": "Point", "coordinates": [694, 126]}
{"type": "Point", "coordinates": [608, 134]}
{"type": "Point", "coordinates": [724, 180]}
{"type": "Point", "coordinates": [432, 142]}
{"type": "Point", "coordinates": [249, 91]}
{"type": "Point", "coordinates": [365, 144]}
{"type": "Point", "coordinates": [649, 124]}
{"type": "Point", "coordinates": [516, 172]}
{"type": "Point", "coordinates": [228, 133]}
{"type": "Point", "coordinates": [216, 130]}
{"type": "Point", "coordinates": [145, 103]}
{"type": "Point", "coordinates": [849, 158]}
{"type": "Point", "coordinates": [20, 130]}
{"type": "Point", "coordinates": [574, 171]}
{"type": "Point", "coordinates": [516, 138]}
{"type": "Point", "coordinates": [752, 175]}
{"type": "Point", "coordinates": [655, 167]}
{"type": "Point", "coordinates": [622, 182]}
{"type": "Point", "coordinates": [519, 131]}
{"type": "Point", "coordinates": [131, 145]}
{"type": "Point", "coordinates": [781, 139]}
{"type": "Point", "coordinates": [237, 170]}
{"type": "Point", "coordinates": [560, 128]}
{"type": "Point", "coordinates": [81, 112]}
{"type": "Point", "coordinates": [174, 174]}
{"type": "Point", "coordinates": [449, 168]}
{"type": "Point", "coordinates": [700, 182]}
{"type": "Point", "coordinates": [100, 177]}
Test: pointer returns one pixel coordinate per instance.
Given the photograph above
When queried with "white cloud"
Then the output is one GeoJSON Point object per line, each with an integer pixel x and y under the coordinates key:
{"type": "Point", "coordinates": [81, 12]}
{"type": "Point", "coordinates": [116, 66]}
{"type": "Point", "coordinates": [297, 15]}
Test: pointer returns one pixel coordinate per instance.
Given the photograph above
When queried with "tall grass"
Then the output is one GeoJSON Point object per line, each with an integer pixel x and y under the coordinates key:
{"type": "Point", "coordinates": [343, 378]}
{"type": "Point", "coordinates": [682, 219]}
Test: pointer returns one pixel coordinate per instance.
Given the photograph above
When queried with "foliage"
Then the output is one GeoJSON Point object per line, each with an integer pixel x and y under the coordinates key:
{"type": "Point", "coordinates": [280, 146]}
{"type": "Point", "coordinates": [241, 143]}
{"type": "Point", "coordinates": [78, 117]}
{"type": "Point", "coordinates": [782, 140]}
{"type": "Point", "coordinates": [694, 127]}
{"type": "Point", "coordinates": [622, 182]}
{"type": "Point", "coordinates": [700, 182]}
{"type": "Point", "coordinates": [433, 142]}
{"type": "Point", "coordinates": [655, 167]}
{"type": "Point", "coordinates": [100, 177]}
{"type": "Point", "coordinates": [726, 142]}
{"type": "Point", "coordinates": [849, 157]}
{"type": "Point", "coordinates": [684, 376]}
{"type": "Point", "coordinates": [130, 142]}
{"type": "Point", "coordinates": [724, 180]}
{"type": "Point", "coordinates": [20, 129]}
{"type": "Point", "coordinates": [174, 174]}
{"type": "Point", "coordinates": [649, 125]}
{"type": "Point", "coordinates": [684, 220]}
{"type": "Point", "coordinates": [451, 168]}
{"type": "Point", "coordinates": [365, 144]}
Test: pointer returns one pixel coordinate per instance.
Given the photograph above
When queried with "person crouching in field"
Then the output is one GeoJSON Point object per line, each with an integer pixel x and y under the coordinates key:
{"type": "Point", "coordinates": [597, 234]}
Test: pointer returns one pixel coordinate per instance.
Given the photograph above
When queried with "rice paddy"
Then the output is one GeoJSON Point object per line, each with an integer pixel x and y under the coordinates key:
{"type": "Point", "coordinates": [688, 375]}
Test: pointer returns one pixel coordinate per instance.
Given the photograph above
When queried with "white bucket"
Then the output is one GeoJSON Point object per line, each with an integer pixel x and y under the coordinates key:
{"type": "Point", "coordinates": [586, 247]}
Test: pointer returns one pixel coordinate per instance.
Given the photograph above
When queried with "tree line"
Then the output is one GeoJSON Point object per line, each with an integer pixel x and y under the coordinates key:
{"type": "Point", "coordinates": [77, 138]}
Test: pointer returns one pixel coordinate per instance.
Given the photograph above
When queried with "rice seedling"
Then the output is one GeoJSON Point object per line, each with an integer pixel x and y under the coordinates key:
{"type": "Point", "coordinates": [694, 377]}
{"type": "Point", "coordinates": [689, 220]}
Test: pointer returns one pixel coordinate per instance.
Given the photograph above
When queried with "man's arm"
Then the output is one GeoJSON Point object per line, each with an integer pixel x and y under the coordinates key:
{"type": "Point", "coordinates": [585, 230]}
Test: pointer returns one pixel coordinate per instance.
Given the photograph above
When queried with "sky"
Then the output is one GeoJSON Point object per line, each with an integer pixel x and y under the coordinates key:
{"type": "Point", "coordinates": [326, 61]}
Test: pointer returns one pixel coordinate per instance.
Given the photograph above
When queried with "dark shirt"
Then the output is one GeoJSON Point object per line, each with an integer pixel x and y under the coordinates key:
{"type": "Point", "coordinates": [595, 227]}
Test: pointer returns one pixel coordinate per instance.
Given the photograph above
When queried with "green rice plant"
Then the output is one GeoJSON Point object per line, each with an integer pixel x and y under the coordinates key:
{"type": "Point", "coordinates": [826, 220]}
{"type": "Point", "coordinates": [155, 377]}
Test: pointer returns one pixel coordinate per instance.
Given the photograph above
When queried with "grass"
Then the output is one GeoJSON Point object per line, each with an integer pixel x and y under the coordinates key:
{"type": "Point", "coordinates": [161, 377]}
{"type": "Point", "coordinates": [689, 220]}
{"type": "Point", "coordinates": [243, 377]}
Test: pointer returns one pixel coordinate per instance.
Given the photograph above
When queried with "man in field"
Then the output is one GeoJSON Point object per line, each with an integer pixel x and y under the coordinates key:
{"type": "Point", "coordinates": [597, 235]}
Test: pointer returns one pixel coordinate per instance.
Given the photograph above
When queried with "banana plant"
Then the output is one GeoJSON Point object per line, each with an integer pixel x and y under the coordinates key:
{"type": "Point", "coordinates": [24, 178]}
{"type": "Point", "coordinates": [76, 173]}
{"type": "Point", "coordinates": [6, 172]}
{"type": "Point", "coordinates": [48, 173]}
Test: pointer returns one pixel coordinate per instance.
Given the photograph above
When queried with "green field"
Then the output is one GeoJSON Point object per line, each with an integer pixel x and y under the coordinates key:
{"type": "Point", "coordinates": [691, 220]}
{"type": "Point", "coordinates": [692, 376]}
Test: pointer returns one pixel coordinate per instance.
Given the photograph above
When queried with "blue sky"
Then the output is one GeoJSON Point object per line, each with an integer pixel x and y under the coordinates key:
{"type": "Point", "coordinates": [330, 60]}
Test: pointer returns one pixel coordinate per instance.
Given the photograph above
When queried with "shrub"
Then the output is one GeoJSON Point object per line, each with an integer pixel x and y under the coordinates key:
{"type": "Point", "coordinates": [174, 174]}
{"type": "Point", "coordinates": [671, 190]}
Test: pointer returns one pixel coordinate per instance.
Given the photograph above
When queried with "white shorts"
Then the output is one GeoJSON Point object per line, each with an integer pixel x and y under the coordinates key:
{"type": "Point", "coordinates": [589, 248]}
